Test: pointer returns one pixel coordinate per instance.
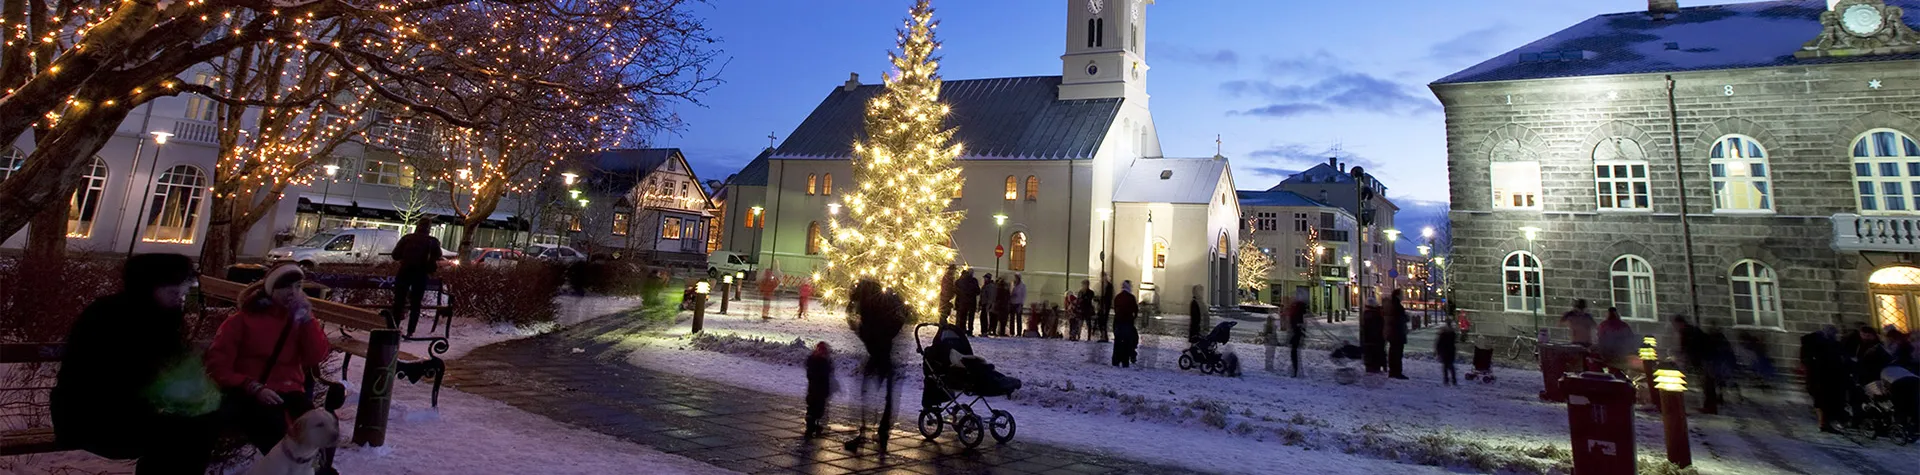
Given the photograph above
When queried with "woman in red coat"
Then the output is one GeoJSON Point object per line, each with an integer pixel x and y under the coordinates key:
{"type": "Point", "coordinates": [260, 356]}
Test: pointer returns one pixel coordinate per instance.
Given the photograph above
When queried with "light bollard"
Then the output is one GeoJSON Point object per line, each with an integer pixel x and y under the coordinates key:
{"type": "Point", "coordinates": [726, 282]}
{"type": "Point", "coordinates": [1673, 415]}
{"type": "Point", "coordinates": [700, 305]}
{"type": "Point", "coordinates": [740, 277]}
{"type": "Point", "coordinates": [1649, 358]}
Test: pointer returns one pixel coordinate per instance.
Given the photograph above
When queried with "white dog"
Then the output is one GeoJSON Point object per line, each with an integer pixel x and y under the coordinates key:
{"type": "Point", "coordinates": [312, 432]}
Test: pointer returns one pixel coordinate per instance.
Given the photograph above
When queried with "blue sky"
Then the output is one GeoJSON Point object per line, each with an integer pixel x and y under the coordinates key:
{"type": "Point", "coordinates": [1280, 81]}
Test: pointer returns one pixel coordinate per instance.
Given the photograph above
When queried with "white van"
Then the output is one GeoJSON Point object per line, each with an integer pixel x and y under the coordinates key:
{"type": "Point", "coordinates": [343, 246]}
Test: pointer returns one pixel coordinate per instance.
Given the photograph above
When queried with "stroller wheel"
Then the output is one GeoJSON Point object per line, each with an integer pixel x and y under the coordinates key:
{"type": "Point", "coordinates": [1209, 368]}
{"type": "Point", "coordinates": [1002, 426]}
{"type": "Point", "coordinates": [1186, 362]}
{"type": "Point", "coordinates": [970, 430]}
{"type": "Point", "coordinates": [931, 424]}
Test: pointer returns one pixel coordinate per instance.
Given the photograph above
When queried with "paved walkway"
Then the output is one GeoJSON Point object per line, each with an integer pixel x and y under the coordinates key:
{"type": "Point", "coordinates": [726, 426]}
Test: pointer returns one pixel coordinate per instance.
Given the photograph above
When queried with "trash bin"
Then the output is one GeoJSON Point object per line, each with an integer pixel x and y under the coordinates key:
{"type": "Point", "coordinates": [1600, 419]}
{"type": "Point", "coordinates": [1556, 360]}
{"type": "Point", "coordinates": [246, 273]}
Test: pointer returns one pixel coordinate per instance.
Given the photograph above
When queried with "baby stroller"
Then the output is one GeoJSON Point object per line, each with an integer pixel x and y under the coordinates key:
{"type": "Point", "coordinates": [1205, 351]}
{"type": "Point", "coordinates": [1879, 417]}
{"type": "Point", "coordinates": [952, 373]}
{"type": "Point", "coordinates": [1482, 365]}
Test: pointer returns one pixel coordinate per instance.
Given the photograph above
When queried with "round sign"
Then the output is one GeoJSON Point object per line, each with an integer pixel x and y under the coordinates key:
{"type": "Point", "coordinates": [999, 251]}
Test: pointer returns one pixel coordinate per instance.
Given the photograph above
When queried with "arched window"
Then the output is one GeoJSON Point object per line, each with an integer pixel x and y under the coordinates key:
{"type": "Point", "coordinates": [1033, 188]}
{"type": "Point", "coordinates": [1886, 165]}
{"type": "Point", "coordinates": [1740, 179]}
{"type": "Point", "coordinates": [1756, 295]}
{"type": "Point", "coordinates": [11, 161]}
{"type": "Point", "coordinates": [1633, 288]}
{"type": "Point", "coordinates": [1159, 254]}
{"type": "Point", "coordinates": [1093, 31]}
{"type": "Point", "coordinates": [960, 188]}
{"type": "Point", "coordinates": [813, 238]}
{"type": "Point", "coordinates": [1017, 253]}
{"type": "Point", "coordinates": [86, 199]}
{"type": "Point", "coordinates": [1013, 191]}
{"type": "Point", "coordinates": [174, 213]}
{"type": "Point", "coordinates": [1521, 276]}
{"type": "Point", "coordinates": [813, 182]}
{"type": "Point", "coordinates": [1620, 174]}
{"type": "Point", "coordinates": [1222, 248]}
{"type": "Point", "coordinates": [826, 184]}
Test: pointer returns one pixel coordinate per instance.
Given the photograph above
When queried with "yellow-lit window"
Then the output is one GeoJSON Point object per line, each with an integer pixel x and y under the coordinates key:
{"type": "Point", "coordinates": [1017, 254]}
{"type": "Point", "coordinates": [813, 238]}
{"type": "Point", "coordinates": [573, 223]}
{"type": "Point", "coordinates": [1033, 188]}
{"type": "Point", "coordinates": [670, 228]}
{"type": "Point", "coordinates": [812, 183]}
{"type": "Point", "coordinates": [1013, 191]}
{"type": "Point", "coordinates": [1159, 254]}
{"type": "Point", "coordinates": [826, 184]}
{"type": "Point", "coordinates": [619, 224]}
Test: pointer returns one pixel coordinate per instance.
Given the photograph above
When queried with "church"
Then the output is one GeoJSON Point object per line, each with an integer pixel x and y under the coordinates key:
{"type": "Point", "coordinates": [1072, 161]}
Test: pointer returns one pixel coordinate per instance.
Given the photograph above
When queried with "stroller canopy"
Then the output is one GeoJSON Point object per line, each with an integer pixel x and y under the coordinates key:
{"type": "Point", "coordinates": [1222, 332]}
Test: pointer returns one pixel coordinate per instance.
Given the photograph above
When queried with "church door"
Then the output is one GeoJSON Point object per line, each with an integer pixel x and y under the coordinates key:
{"type": "Point", "coordinates": [1896, 296]}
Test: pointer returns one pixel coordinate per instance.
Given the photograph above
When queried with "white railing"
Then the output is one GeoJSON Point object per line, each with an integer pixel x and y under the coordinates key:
{"type": "Point", "coordinates": [1852, 232]}
{"type": "Point", "coordinates": [195, 131]}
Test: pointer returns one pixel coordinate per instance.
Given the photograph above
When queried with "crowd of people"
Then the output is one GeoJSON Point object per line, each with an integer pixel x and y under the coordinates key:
{"type": "Point", "coordinates": [1845, 372]}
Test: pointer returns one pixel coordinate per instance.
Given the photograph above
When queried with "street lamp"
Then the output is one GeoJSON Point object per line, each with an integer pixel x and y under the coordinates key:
{"type": "Point", "coordinates": [1427, 232]}
{"type": "Point", "coordinates": [326, 193]}
{"type": "Point", "coordinates": [1104, 214]}
{"type": "Point", "coordinates": [1392, 234]}
{"type": "Point", "coordinates": [1531, 233]}
{"type": "Point", "coordinates": [999, 221]}
{"type": "Point", "coordinates": [569, 178]}
{"type": "Point", "coordinates": [761, 219]}
{"type": "Point", "coordinates": [153, 174]}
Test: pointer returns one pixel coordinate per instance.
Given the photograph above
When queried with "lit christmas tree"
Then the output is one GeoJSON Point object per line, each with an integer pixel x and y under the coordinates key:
{"type": "Point", "coordinates": [898, 226]}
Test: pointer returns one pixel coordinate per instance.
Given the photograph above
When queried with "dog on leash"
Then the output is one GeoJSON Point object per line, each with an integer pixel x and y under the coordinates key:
{"type": "Point", "coordinates": [312, 432]}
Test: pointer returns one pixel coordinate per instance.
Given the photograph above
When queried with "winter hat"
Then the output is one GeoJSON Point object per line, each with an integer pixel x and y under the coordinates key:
{"type": "Point", "coordinates": [1126, 286]}
{"type": "Point", "coordinates": [255, 297]}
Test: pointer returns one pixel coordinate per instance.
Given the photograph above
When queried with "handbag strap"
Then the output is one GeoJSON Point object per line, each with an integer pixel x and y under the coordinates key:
{"type": "Point", "coordinates": [274, 358]}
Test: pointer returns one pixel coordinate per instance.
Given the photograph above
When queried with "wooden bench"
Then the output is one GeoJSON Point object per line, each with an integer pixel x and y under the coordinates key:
{"type": "Point", "coordinates": [349, 317]}
{"type": "Point", "coordinates": [36, 440]}
{"type": "Point", "coordinates": [442, 305]}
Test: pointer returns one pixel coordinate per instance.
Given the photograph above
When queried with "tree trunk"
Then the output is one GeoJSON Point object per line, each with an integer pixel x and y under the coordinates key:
{"type": "Point", "coordinates": [47, 237]}
{"type": "Point", "coordinates": [53, 170]}
{"type": "Point", "coordinates": [218, 250]}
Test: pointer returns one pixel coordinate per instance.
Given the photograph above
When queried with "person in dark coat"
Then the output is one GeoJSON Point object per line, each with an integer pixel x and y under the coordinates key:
{"type": "Point", "coordinates": [1296, 331]}
{"type": "Point", "coordinates": [1083, 310]}
{"type": "Point", "coordinates": [1396, 336]}
{"type": "Point", "coordinates": [1698, 352]}
{"type": "Point", "coordinates": [989, 292]}
{"type": "Point", "coordinates": [419, 256]}
{"type": "Point", "coordinates": [1002, 306]}
{"type": "Point", "coordinates": [1373, 336]}
{"type": "Point", "coordinates": [947, 293]}
{"type": "Point", "coordinates": [1126, 338]}
{"type": "Point", "coordinates": [129, 385]}
{"type": "Point", "coordinates": [1106, 305]}
{"type": "Point", "coordinates": [882, 316]}
{"type": "Point", "coordinates": [1826, 372]}
{"type": "Point", "coordinates": [819, 387]}
{"type": "Point", "coordinates": [1196, 316]}
{"type": "Point", "coordinates": [966, 298]}
{"type": "Point", "coordinates": [1446, 348]}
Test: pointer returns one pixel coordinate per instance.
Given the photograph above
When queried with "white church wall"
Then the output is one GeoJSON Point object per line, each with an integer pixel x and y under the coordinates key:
{"type": "Point", "coordinates": [1184, 228]}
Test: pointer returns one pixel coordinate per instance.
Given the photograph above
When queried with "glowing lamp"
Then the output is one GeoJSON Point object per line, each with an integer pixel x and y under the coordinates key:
{"type": "Point", "coordinates": [999, 220]}
{"type": "Point", "coordinates": [726, 279]}
{"type": "Point", "coordinates": [1531, 232]}
{"type": "Point", "coordinates": [1425, 249]}
{"type": "Point", "coordinates": [575, 194]}
{"type": "Point", "coordinates": [569, 177]}
{"type": "Point", "coordinates": [1427, 232]}
{"type": "Point", "coordinates": [331, 169]}
{"type": "Point", "coordinates": [1649, 341]}
{"type": "Point", "coordinates": [1347, 259]}
{"type": "Point", "coordinates": [701, 288]}
{"type": "Point", "coordinates": [1669, 380]}
{"type": "Point", "coordinates": [1649, 354]}
{"type": "Point", "coordinates": [833, 209]}
{"type": "Point", "coordinates": [742, 275]}
{"type": "Point", "coordinates": [1440, 260]}
{"type": "Point", "coordinates": [1104, 213]}
{"type": "Point", "coordinates": [583, 202]}
{"type": "Point", "coordinates": [464, 173]}
{"type": "Point", "coordinates": [1392, 234]}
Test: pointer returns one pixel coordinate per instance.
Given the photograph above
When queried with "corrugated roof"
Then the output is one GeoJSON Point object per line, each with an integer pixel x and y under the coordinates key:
{"type": "Point", "coordinates": [1018, 117]}
{"type": "Point", "coordinates": [1188, 180]}
{"type": "Point", "coordinates": [1322, 173]}
{"type": "Point", "coordinates": [1712, 37]}
{"type": "Point", "coordinates": [1277, 198]}
{"type": "Point", "coordinates": [755, 173]}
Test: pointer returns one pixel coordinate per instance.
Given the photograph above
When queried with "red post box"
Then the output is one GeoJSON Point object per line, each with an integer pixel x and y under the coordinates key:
{"type": "Point", "coordinates": [1600, 418]}
{"type": "Point", "coordinates": [1555, 362]}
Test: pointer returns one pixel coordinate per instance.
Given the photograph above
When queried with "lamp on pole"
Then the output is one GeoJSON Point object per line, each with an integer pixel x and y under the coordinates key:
{"type": "Point", "coordinates": [1104, 214]}
{"type": "Point", "coordinates": [999, 221]}
{"type": "Point", "coordinates": [1531, 233]}
{"type": "Point", "coordinates": [569, 177]}
{"type": "Point", "coordinates": [327, 193]}
{"type": "Point", "coordinates": [153, 174]}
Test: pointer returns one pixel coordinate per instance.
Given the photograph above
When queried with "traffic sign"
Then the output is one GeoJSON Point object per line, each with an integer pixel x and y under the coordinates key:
{"type": "Point", "coordinates": [999, 250]}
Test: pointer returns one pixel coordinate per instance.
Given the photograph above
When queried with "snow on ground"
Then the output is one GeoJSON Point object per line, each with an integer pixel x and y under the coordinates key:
{"type": "Point", "coordinates": [468, 334]}
{"type": "Point", "coordinates": [1250, 424]}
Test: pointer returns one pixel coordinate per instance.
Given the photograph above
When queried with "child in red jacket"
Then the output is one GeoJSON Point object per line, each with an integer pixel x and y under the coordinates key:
{"type": "Point", "coordinates": [261, 353]}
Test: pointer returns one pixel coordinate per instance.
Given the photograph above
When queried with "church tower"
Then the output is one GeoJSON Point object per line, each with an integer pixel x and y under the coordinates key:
{"type": "Point", "coordinates": [1106, 50]}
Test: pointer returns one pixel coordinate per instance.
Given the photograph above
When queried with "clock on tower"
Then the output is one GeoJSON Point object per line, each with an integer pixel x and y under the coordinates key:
{"type": "Point", "coordinates": [1861, 28]}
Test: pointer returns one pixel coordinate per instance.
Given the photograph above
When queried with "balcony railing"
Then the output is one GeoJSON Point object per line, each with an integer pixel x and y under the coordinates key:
{"type": "Point", "coordinates": [1333, 235]}
{"type": "Point", "coordinates": [1852, 232]}
{"type": "Point", "coordinates": [195, 131]}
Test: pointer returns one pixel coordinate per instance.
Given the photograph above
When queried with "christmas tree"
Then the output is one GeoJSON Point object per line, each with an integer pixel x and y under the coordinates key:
{"type": "Point", "coordinates": [897, 227]}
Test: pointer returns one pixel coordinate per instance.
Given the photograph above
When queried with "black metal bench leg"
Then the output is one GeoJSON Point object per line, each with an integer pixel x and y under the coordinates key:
{"type": "Point", "coordinates": [346, 361]}
{"type": "Point", "coordinates": [436, 388]}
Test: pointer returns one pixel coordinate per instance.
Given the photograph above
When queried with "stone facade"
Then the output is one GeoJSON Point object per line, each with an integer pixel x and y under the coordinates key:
{"type": "Point", "coordinates": [1807, 117]}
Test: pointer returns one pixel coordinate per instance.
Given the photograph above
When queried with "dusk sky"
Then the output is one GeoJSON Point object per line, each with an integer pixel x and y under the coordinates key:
{"type": "Point", "coordinates": [1280, 81]}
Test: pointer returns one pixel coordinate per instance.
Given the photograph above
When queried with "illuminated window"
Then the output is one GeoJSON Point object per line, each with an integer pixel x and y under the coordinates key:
{"type": "Point", "coordinates": [1159, 254]}
{"type": "Point", "coordinates": [175, 209]}
{"type": "Point", "coordinates": [1521, 276]}
{"type": "Point", "coordinates": [11, 162]}
{"type": "Point", "coordinates": [1017, 253]}
{"type": "Point", "coordinates": [826, 184]}
{"type": "Point", "coordinates": [1886, 173]}
{"type": "Point", "coordinates": [1756, 295]}
{"type": "Point", "coordinates": [573, 223]}
{"type": "Point", "coordinates": [714, 231]}
{"type": "Point", "coordinates": [1013, 191]}
{"type": "Point", "coordinates": [958, 188]}
{"type": "Point", "coordinates": [670, 228]}
{"type": "Point", "coordinates": [812, 184]}
{"type": "Point", "coordinates": [1633, 291]}
{"type": "Point", "coordinates": [1620, 174]}
{"type": "Point", "coordinates": [378, 172]}
{"type": "Point", "coordinates": [199, 107]}
{"type": "Point", "coordinates": [1033, 188]}
{"type": "Point", "coordinates": [813, 238]}
{"type": "Point", "coordinates": [1739, 166]}
{"type": "Point", "coordinates": [1516, 185]}
{"type": "Point", "coordinates": [86, 199]}
{"type": "Point", "coordinates": [620, 224]}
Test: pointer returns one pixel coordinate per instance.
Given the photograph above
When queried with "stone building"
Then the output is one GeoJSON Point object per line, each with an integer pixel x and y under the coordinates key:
{"type": "Point", "coordinates": [1751, 165]}
{"type": "Point", "coordinates": [1311, 244]}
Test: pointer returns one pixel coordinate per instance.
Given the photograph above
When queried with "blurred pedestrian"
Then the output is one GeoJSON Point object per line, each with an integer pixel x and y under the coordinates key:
{"type": "Point", "coordinates": [1105, 305]}
{"type": "Point", "coordinates": [1579, 323]}
{"type": "Point", "coordinates": [947, 293]}
{"type": "Point", "coordinates": [1196, 315]}
{"type": "Point", "coordinates": [820, 387]}
{"type": "Point", "coordinates": [1827, 381]}
{"type": "Point", "coordinates": [419, 257]}
{"type": "Point", "coordinates": [1698, 357]}
{"type": "Point", "coordinates": [1083, 310]}
{"type": "Point", "coordinates": [769, 283]}
{"type": "Point", "coordinates": [1016, 302]}
{"type": "Point", "coordinates": [806, 294]}
{"type": "Point", "coordinates": [1396, 336]}
{"type": "Point", "coordinates": [1002, 305]}
{"type": "Point", "coordinates": [1617, 343]}
{"type": "Point", "coordinates": [1126, 338]}
{"type": "Point", "coordinates": [1296, 331]}
{"type": "Point", "coordinates": [1760, 359]}
{"type": "Point", "coordinates": [1446, 348]}
{"type": "Point", "coordinates": [966, 299]}
{"type": "Point", "coordinates": [1373, 335]}
{"type": "Point", "coordinates": [989, 293]}
{"type": "Point", "coordinates": [882, 316]}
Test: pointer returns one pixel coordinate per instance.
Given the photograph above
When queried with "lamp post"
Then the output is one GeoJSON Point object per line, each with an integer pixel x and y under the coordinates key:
{"type": "Point", "coordinates": [1104, 214]}
{"type": "Point", "coordinates": [1353, 277]}
{"type": "Point", "coordinates": [1393, 236]}
{"type": "Point", "coordinates": [1426, 283]}
{"type": "Point", "coordinates": [569, 177]}
{"type": "Point", "coordinates": [1531, 233]}
{"type": "Point", "coordinates": [739, 280]}
{"type": "Point", "coordinates": [999, 221]}
{"type": "Point", "coordinates": [326, 194]}
{"type": "Point", "coordinates": [726, 282]}
{"type": "Point", "coordinates": [153, 174]}
{"type": "Point", "coordinates": [758, 217]}
{"type": "Point", "coordinates": [700, 305]}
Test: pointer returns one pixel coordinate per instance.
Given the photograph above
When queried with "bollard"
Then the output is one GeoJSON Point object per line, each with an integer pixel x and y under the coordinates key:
{"type": "Point", "coordinates": [700, 290]}
{"type": "Point", "coordinates": [723, 294]}
{"type": "Point", "coordinates": [1673, 415]}
{"type": "Point", "coordinates": [376, 388]}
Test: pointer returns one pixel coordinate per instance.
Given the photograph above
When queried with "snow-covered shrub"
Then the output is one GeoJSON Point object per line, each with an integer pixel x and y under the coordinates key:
{"type": "Point", "coordinates": [521, 295]}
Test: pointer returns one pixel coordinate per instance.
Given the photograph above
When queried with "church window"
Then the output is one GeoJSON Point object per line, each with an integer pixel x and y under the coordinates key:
{"type": "Point", "coordinates": [1033, 188]}
{"type": "Point", "coordinates": [1740, 179]}
{"type": "Point", "coordinates": [812, 181]}
{"type": "Point", "coordinates": [1093, 31]}
{"type": "Point", "coordinates": [813, 238]}
{"type": "Point", "coordinates": [959, 189]}
{"type": "Point", "coordinates": [1099, 32]}
{"type": "Point", "coordinates": [1516, 177]}
{"type": "Point", "coordinates": [1017, 253]}
{"type": "Point", "coordinates": [826, 184]}
{"type": "Point", "coordinates": [1620, 174]}
{"type": "Point", "coordinates": [1886, 168]}
{"type": "Point", "coordinates": [1159, 254]}
{"type": "Point", "coordinates": [1013, 191]}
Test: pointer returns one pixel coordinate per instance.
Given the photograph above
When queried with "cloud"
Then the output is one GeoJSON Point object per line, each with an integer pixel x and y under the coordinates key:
{"type": "Point", "coordinates": [1319, 63]}
{"type": "Point", "coordinates": [1328, 87]}
{"type": "Point", "coordinates": [1474, 45]}
{"type": "Point", "coordinates": [1284, 110]}
{"type": "Point", "coordinates": [1220, 58]}
{"type": "Point", "coordinates": [1301, 156]}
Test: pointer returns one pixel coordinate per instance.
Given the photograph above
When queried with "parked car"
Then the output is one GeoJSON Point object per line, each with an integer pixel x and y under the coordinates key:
{"type": "Point", "coordinates": [344, 246]}
{"type": "Point", "coordinates": [554, 253]}
{"type": "Point", "coordinates": [494, 256]}
{"type": "Point", "coordinates": [727, 262]}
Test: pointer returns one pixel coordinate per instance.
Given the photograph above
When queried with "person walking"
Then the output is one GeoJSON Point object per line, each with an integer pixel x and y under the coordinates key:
{"type": "Point", "coordinates": [1083, 310]}
{"type": "Point", "coordinates": [1106, 305]}
{"type": "Point", "coordinates": [882, 316]}
{"type": "Point", "coordinates": [819, 388]}
{"type": "Point", "coordinates": [419, 257]}
{"type": "Point", "coordinates": [1126, 338]}
{"type": "Point", "coordinates": [1617, 342]}
{"type": "Point", "coordinates": [1016, 306]}
{"type": "Point", "coordinates": [989, 292]}
{"type": "Point", "coordinates": [1296, 331]}
{"type": "Point", "coordinates": [947, 292]}
{"type": "Point", "coordinates": [1373, 335]}
{"type": "Point", "coordinates": [1196, 315]}
{"type": "Point", "coordinates": [1698, 354]}
{"type": "Point", "coordinates": [806, 294]}
{"type": "Point", "coordinates": [966, 299]}
{"type": "Point", "coordinates": [769, 283]}
{"type": "Point", "coordinates": [1826, 377]}
{"type": "Point", "coordinates": [130, 385]}
{"type": "Point", "coordinates": [1396, 336]}
{"type": "Point", "coordinates": [261, 354]}
{"type": "Point", "coordinates": [1579, 323]}
{"type": "Point", "coordinates": [1446, 349]}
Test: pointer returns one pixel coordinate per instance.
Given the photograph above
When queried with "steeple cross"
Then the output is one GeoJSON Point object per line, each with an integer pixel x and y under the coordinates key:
{"type": "Point", "coordinates": [771, 139]}
{"type": "Point", "coordinates": [1216, 144]}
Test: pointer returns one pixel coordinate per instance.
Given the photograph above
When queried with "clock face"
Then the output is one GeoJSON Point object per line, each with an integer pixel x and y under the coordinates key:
{"type": "Point", "coordinates": [1861, 20]}
{"type": "Point", "coordinates": [1093, 6]}
{"type": "Point", "coordinates": [1093, 69]}
{"type": "Point", "coordinates": [1135, 12]}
